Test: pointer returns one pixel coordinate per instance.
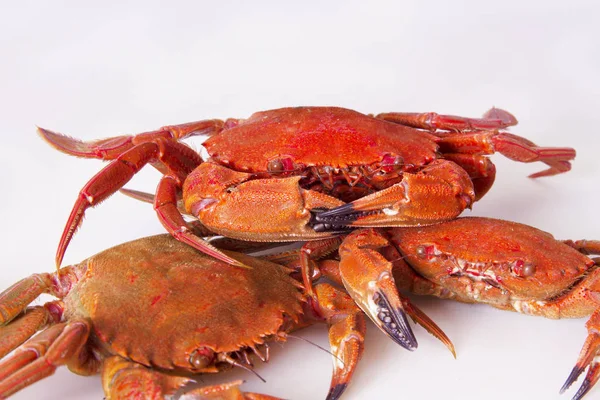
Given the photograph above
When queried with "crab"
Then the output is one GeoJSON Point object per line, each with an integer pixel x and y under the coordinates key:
{"type": "Point", "coordinates": [142, 316]}
{"type": "Point", "coordinates": [271, 176]}
{"type": "Point", "coordinates": [507, 265]}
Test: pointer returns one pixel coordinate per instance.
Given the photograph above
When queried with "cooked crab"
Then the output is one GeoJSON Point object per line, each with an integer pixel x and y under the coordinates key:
{"type": "Point", "coordinates": [480, 260]}
{"type": "Point", "coordinates": [269, 177]}
{"type": "Point", "coordinates": [149, 314]}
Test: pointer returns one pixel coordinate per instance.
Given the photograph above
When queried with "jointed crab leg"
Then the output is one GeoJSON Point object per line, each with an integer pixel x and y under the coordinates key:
{"type": "Point", "coordinates": [40, 357]}
{"type": "Point", "coordinates": [112, 148]}
{"type": "Point", "coordinates": [511, 146]}
{"type": "Point", "coordinates": [175, 158]}
{"type": "Point", "coordinates": [494, 118]}
{"type": "Point", "coordinates": [347, 328]}
{"type": "Point", "coordinates": [23, 327]}
{"type": "Point", "coordinates": [123, 379]}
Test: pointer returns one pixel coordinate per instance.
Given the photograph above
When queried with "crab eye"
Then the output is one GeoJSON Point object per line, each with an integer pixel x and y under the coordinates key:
{"type": "Point", "coordinates": [279, 165]}
{"type": "Point", "coordinates": [425, 251]}
{"type": "Point", "coordinates": [391, 163]}
{"type": "Point", "coordinates": [528, 269]}
{"type": "Point", "coordinates": [202, 357]}
{"type": "Point", "coordinates": [275, 166]}
{"type": "Point", "coordinates": [523, 269]}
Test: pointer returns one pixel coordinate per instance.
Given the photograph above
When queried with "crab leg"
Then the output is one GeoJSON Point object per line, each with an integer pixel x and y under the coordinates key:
{"type": "Point", "coordinates": [495, 118]}
{"type": "Point", "coordinates": [511, 146]}
{"type": "Point", "coordinates": [125, 379]}
{"type": "Point", "coordinates": [485, 139]}
{"type": "Point", "coordinates": [347, 328]}
{"type": "Point", "coordinates": [122, 379]}
{"type": "Point", "coordinates": [129, 155]}
{"type": "Point", "coordinates": [583, 299]}
{"type": "Point", "coordinates": [587, 359]}
{"type": "Point", "coordinates": [112, 148]}
{"type": "Point", "coordinates": [439, 192]}
{"type": "Point", "coordinates": [40, 356]}
{"type": "Point", "coordinates": [165, 205]}
{"type": "Point", "coordinates": [14, 299]}
{"type": "Point", "coordinates": [22, 328]}
{"type": "Point", "coordinates": [179, 159]}
{"type": "Point", "coordinates": [311, 251]}
{"type": "Point", "coordinates": [225, 391]}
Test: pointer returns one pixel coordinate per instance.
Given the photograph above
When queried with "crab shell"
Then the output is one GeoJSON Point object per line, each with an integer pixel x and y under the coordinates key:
{"type": "Point", "coordinates": [503, 257]}
{"type": "Point", "coordinates": [303, 137]}
{"type": "Point", "coordinates": [183, 301]}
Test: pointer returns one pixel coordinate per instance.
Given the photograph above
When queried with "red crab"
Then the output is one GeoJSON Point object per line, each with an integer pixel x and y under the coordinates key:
{"type": "Point", "coordinates": [269, 177]}
{"type": "Point", "coordinates": [480, 260]}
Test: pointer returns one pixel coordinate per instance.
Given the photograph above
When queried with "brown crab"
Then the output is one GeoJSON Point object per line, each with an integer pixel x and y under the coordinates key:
{"type": "Point", "coordinates": [150, 313]}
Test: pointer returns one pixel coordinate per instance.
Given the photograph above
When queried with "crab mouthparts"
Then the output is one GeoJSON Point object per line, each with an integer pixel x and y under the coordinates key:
{"type": "Point", "coordinates": [394, 323]}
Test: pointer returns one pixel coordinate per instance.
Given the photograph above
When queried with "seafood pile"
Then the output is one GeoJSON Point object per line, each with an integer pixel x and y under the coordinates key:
{"type": "Point", "coordinates": [374, 202]}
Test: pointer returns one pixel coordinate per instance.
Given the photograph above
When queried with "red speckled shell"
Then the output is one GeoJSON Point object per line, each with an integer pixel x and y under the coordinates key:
{"type": "Point", "coordinates": [483, 240]}
{"type": "Point", "coordinates": [315, 136]}
{"type": "Point", "coordinates": [155, 300]}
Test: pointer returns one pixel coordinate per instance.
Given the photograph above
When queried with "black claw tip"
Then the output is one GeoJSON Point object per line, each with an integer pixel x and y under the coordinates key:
{"type": "Point", "coordinates": [326, 223]}
{"type": "Point", "coordinates": [585, 387]}
{"type": "Point", "coordinates": [336, 391]}
{"type": "Point", "coordinates": [394, 323]}
{"type": "Point", "coordinates": [575, 372]}
{"type": "Point", "coordinates": [590, 379]}
{"type": "Point", "coordinates": [337, 211]}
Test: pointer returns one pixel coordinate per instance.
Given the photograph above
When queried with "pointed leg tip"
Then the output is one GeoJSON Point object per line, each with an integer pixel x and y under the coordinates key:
{"type": "Point", "coordinates": [58, 262]}
{"type": "Point", "coordinates": [336, 391]}
{"type": "Point", "coordinates": [51, 137]}
{"type": "Point", "coordinates": [44, 132]}
{"type": "Point", "coordinates": [497, 113]}
{"type": "Point", "coordinates": [452, 350]}
{"type": "Point", "coordinates": [539, 174]}
{"type": "Point", "coordinates": [239, 264]}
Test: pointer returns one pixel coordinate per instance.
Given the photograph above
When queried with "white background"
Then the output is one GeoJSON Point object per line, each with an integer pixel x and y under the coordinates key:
{"type": "Point", "coordinates": [99, 71]}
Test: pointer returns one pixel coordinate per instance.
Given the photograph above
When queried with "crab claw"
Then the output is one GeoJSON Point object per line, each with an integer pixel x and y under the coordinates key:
{"type": "Point", "coordinates": [225, 201]}
{"type": "Point", "coordinates": [439, 192]}
{"type": "Point", "coordinates": [588, 358]}
{"type": "Point", "coordinates": [367, 276]}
